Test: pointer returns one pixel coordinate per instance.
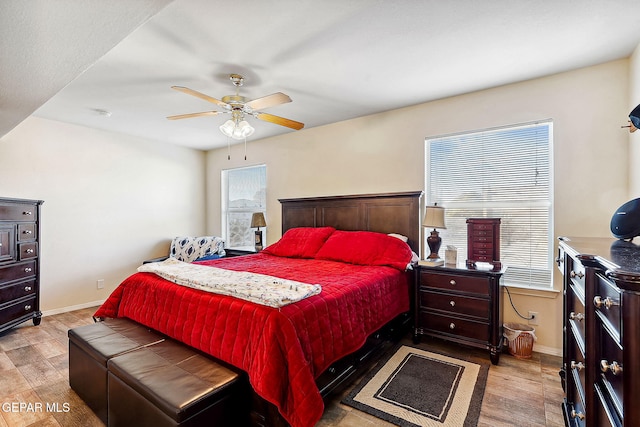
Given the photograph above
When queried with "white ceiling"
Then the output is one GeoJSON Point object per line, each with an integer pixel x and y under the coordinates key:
{"type": "Point", "coordinates": [336, 59]}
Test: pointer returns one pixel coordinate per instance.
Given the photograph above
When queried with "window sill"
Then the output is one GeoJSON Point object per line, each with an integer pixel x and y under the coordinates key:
{"type": "Point", "coordinates": [533, 292]}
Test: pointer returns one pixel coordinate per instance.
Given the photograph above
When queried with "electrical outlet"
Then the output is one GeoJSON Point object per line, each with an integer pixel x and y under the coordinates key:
{"type": "Point", "coordinates": [100, 284]}
{"type": "Point", "coordinates": [533, 318]}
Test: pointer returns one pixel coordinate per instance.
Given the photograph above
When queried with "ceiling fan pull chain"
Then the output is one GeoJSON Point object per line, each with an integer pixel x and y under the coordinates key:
{"type": "Point", "coordinates": [245, 148]}
{"type": "Point", "coordinates": [228, 149]}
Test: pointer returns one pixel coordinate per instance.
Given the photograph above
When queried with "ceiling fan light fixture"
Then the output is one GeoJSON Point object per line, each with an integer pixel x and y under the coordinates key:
{"type": "Point", "coordinates": [238, 131]}
{"type": "Point", "coordinates": [227, 128]}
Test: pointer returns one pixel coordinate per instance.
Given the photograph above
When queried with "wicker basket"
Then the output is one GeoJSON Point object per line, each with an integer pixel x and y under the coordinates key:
{"type": "Point", "coordinates": [520, 338]}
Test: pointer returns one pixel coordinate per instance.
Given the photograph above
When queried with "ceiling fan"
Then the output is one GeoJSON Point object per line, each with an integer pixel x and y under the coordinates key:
{"type": "Point", "coordinates": [239, 107]}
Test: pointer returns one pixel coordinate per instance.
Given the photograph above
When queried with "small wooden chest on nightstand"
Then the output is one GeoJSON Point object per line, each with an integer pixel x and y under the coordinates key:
{"type": "Point", "coordinates": [483, 242]}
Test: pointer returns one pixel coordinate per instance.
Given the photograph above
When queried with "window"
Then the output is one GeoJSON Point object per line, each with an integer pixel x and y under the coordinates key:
{"type": "Point", "coordinates": [498, 173]}
{"type": "Point", "coordinates": [243, 193]}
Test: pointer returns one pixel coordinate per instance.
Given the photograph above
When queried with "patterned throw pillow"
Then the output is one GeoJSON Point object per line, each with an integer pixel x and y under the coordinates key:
{"type": "Point", "coordinates": [190, 249]}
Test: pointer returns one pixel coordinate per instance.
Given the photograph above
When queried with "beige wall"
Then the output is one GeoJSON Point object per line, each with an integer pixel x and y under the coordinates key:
{"type": "Point", "coordinates": [111, 201]}
{"type": "Point", "coordinates": [385, 152]}
{"type": "Point", "coordinates": [634, 138]}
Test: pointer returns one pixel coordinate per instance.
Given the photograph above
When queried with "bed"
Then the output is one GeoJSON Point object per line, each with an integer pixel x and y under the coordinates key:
{"type": "Point", "coordinates": [300, 352]}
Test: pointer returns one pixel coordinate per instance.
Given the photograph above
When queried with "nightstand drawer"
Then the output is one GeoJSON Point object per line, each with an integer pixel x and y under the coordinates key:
{"type": "Point", "coordinates": [455, 326]}
{"type": "Point", "coordinates": [459, 283]}
{"type": "Point", "coordinates": [455, 304]}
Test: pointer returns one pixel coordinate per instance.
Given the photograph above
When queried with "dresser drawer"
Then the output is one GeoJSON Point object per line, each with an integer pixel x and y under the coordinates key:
{"type": "Point", "coordinates": [17, 271]}
{"type": "Point", "coordinates": [609, 362]}
{"type": "Point", "coordinates": [27, 250]}
{"type": "Point", "coordinates": [578, 368]}
{"type": "Point", "coordinates": [455, 304]}
{"type": "Point", "coordinates": [459, 283]}
{"type": "Point", "coordinates": [575, 312]}
{"type": "Point", "coordinates": [26, 231]}
{"type": "Point", "coordinates": [18, 309]}
{"type": "Point", "coordinates": [455, 326]}
{"type": "Point", "coordinates": [607, 303]}
{"type": "Point", "coordinates": [577, 413]}
{"type": "Point", "coordinates": [576, 273]}
{"type": "Point", "coordinates": [16, 291]}
{"type": "Point", "coordinates": [606, 416]}
{"type": "Point", "coordinates": [18, 212]}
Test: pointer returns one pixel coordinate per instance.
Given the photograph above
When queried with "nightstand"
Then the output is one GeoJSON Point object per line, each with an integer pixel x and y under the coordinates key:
{"type": "Point", "coordinates": [240, 251]}
{"type": "Point", "coordinates": [461, 305]}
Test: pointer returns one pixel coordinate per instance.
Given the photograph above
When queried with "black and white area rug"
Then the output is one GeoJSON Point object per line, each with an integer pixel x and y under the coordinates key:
{"type": "Point", "coordinates": [415, 387]}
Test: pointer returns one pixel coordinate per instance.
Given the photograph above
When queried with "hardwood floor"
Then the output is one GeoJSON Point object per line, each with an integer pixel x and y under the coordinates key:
{"type": "Point", "coordinates": [34, 386]}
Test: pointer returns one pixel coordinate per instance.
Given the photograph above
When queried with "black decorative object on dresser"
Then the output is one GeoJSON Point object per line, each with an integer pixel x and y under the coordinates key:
{"type": "Point", "coordinates": [460, 304]}
{"type": "Point", "coordinates": [601, 345]}
{"type": "Point", "coordinates": [19, 262]}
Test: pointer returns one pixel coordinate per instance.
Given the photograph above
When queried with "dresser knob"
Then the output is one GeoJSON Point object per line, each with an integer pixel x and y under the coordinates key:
{"type": "Point", "coordinates": [27, 213]}
{"type": "Point", "coordinates": [27, 288]}
{"type": "Point", "coordinates": [614, 367]}
{"type": "Point", "coordinates": [453, 303]}
{"type": "Point", "coordinates": [559, 260]}
{"type": "Point", "coordinates": [578, 415]}
{"type": "Point", "coordinates": [26, 232]}
{"type": "Point", "coordinates": [607, 302]}
{"type": "Point", "coordinates": [29, 251]}
{"type": "Point", "coordinates": [576, 316]}
{"type": "Point", "coordinates": [27, 307]}
{"type": "Point", "coordinates": [452, 282]}
{"type": "Point", "coordinates": [578, 366]}
{"type": "Point", "coordinates": [579, 274]}
{"type": "Point", "coordinates": [27, 269]}
{"type": "Point", "coordinates": [452, 326]}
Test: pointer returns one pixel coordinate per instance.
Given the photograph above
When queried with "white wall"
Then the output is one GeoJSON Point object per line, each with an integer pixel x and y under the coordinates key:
{"type": "Point", "coordinates": [111, 201]}
{"type": "Point", "coordinates": [385, 152]}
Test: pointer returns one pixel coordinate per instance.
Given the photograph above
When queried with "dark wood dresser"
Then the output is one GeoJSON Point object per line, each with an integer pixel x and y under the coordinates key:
{"type": "Point", "coordinates": [19, 262]}
{"type": "Point", "coordinates": [460, 304]}
{"type": "Point", "coordinates": [601, 346]}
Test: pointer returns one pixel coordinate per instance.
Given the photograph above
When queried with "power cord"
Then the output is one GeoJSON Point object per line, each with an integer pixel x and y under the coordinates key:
{"type": "Point", "coordinates": [514, 307]}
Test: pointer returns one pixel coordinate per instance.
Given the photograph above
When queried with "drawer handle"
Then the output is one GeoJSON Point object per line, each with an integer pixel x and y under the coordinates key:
{"type": "Point", "coordinates": [27, 288]}
{"type": "Point", "coordinates": [559, 260]}
{"type": "Point", "coordinates": [578, 366]}
{"type": "Point", "coordinates": [453, 303]}
{"type": "Point", "coordinates": [579, 274]}
{"type": "Point", "coordinates": [452, 282]}
{"type": "Point", "coordinates": [27, 307]}
{"type": "Point", "coordinates": [29, 251]}
{"type": "Point", "coordinates": [27, 231]}
{"type": "Point", "coordinates": [607, 302]}
{"type": "Point", "coordinates": [27, 213]}
{"type": "Point", "coordinates": [578, 415]}
{"type": "Point", "coordinates": [27, 269]}
{"type": "Point", "coordinates": [614, 367]}
{"type": "Point", "coordinates": [576, 316]}
{"type": "Point", "coordinates": [452, 326]}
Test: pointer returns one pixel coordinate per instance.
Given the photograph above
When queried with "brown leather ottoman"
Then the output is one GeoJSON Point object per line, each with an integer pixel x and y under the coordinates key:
{"type": "Point", "coordinates": [90, 347]}
{"type": "Point", "coordinates": [170, 384]}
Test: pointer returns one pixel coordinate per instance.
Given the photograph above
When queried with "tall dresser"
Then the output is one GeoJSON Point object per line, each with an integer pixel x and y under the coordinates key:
{"type": "Point", "coordinates": [19, 262]}
{"type": "Point", "coordinates": [601, 361]}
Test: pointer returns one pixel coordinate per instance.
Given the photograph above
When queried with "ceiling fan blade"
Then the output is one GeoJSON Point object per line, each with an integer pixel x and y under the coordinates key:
{"type": "Point", "coordinates": [201, 96]}
{"type": "Point", "coordinates": [268, 101]}
{"type": "Point", "coordinates": [279, 120]}
{"type": "Point", "coordinates": [188, 116]}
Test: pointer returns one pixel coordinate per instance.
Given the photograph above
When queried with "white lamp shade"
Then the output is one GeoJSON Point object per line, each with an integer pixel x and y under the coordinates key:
{"type": "Point", "coordinates": [434, 217]}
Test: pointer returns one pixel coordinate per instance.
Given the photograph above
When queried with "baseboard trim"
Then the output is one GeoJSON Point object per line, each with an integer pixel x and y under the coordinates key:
{"type": "Point", "coordinates": [547, 350]}
{"type": "Point", "coordinates": [72, 308]}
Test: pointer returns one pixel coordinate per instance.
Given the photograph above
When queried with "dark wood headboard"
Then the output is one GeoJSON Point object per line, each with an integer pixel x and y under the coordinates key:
{"type": "Point", "coordinates": [384, 213]}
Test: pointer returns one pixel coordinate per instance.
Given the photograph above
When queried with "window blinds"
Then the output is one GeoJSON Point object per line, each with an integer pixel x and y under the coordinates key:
{"type": "Point", "coordinates": [498, 173]}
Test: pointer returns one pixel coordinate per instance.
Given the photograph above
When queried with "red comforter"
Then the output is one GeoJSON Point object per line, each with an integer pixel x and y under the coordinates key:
{"type": "Point", "coordinates": [282, 350]}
